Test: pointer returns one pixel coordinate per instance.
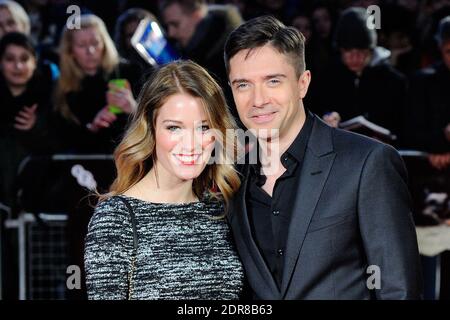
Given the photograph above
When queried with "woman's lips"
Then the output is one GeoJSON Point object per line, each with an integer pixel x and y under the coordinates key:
{"type": "Point", "coordinates": [187, 159]}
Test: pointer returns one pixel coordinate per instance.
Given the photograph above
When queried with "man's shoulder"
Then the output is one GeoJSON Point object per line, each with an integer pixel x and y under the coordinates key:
{"type": "Point", "coordinates": [355, 143]}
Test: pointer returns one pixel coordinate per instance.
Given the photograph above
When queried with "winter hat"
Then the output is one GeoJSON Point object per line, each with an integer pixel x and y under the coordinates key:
{"type": "Point", "coordinates": [443, 32]}
{"type": "Point", "coordinates": [352, 31]}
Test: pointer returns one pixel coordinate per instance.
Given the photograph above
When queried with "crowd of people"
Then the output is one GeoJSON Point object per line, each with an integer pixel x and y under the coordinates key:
{"type": "Point", "coordinates": [58, 83]}
{"type": "Point", "coordinates": [55, 81]}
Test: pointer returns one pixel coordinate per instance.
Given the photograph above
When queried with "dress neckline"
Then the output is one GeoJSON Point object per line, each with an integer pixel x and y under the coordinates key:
{"type": "Point", "coordinates": [166, 204]}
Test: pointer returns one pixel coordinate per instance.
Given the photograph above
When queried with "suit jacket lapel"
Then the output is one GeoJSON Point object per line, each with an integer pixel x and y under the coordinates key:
{"type": "Point", "coordinates": [247, 239]}
{"type": "Point", "coordinates": [317, 165]}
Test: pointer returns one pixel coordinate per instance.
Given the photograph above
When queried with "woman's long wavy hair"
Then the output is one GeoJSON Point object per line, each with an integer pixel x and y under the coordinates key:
{"type": "Point", "coordinates": [71, 73]}
{"type": "Point", "coordinates": [136, 155]}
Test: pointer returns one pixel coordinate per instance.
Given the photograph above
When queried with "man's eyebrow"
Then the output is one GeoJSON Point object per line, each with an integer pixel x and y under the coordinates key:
{"type": "Point", "coordinates": [269, 76]}
{"type": "Point", "coordinates": [239, 81]}
{"type": "Point", "coordinates": [275, 75]}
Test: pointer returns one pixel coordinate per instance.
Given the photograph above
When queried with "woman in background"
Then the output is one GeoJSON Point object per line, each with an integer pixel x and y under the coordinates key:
{"type": "Point", "coordinates": [92, 110]}
{"type": "Point", "coordinates": [160, 232]}
{"type": "Point", "coordinates": [13, 18]}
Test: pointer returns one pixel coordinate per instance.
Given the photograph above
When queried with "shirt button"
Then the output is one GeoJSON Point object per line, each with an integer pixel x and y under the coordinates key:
{"type": "Point", "coordinates": [280, 252]}
{"type": "Point", "coordinates": [275, 212]}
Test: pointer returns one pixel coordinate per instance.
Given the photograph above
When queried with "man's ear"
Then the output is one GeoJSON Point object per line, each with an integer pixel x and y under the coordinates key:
{"type": "Point", "coordinates": [303, 83]}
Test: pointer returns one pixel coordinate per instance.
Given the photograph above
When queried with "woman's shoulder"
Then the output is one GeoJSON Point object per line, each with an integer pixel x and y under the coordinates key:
{"type": "Point", "coordinates": [113, 203]}
{"type": "Point", "coordinates": [110, 213]}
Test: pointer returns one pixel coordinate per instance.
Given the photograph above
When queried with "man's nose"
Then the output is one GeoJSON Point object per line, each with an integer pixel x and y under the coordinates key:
{"type": "Point", "coordinates": [259, 96]}
{"type": "Point", "coordinates": [171, 32]}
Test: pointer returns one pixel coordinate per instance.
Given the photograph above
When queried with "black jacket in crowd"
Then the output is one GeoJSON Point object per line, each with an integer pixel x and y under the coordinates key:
{"type": "Point", "coordinates": [16, 145]}
{"type": "Point", "coordinates": [378, 94]}
{"type": "Point", "coordinates": [428, 110]}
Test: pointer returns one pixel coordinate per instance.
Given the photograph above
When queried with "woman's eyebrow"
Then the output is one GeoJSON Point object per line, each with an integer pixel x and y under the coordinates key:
{"type": "Point", "coordinates": [180, 122]}
{"type": "Point", "coordinates": [174, 121]}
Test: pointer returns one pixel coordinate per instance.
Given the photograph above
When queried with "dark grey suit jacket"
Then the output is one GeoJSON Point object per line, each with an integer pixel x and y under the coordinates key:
{"type": "Point", "coordinates": [352, 210]}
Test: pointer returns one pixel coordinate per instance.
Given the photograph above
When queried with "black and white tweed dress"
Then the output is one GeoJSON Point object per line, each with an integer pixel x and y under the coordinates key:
{"type": "Point", "coordinates": [182, 252]}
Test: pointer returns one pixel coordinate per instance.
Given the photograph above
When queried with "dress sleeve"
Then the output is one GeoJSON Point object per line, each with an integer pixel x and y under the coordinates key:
{"type": "Point", "coordinates": [108, 250]}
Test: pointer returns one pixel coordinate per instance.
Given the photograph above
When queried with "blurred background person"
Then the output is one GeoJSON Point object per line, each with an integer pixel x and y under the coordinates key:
{"type": "Point", "coordinates": [428, 121]}
{"type": "Point", "coordinates": [88, 61]}
{"type": "Point", "coordinates": [13, 18]}
{"type": "Point", "coordinates": [361, 81]}
{"type": "Point", "coordinates": [399, 34]}
{"type": "Point", "coordinates": [24, 107]}
{"type": "Point", "coordinates": [302, 23]}
{"type": "Point", "coordinates": [323, 21]}
{"type": "Point", "coordinates": [125, 28]}
{"type": "Point", "coordinates": [200, 31]}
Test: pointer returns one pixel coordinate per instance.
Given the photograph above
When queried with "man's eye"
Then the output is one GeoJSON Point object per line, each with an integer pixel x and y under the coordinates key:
{"type": "Point", "coordinates": [274, 82]}
{"type": "Point", "coordinates": [241, 85]}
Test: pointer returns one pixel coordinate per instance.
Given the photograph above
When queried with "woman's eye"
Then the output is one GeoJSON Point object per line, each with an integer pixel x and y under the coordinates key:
{"type": "Point", "coordinates": [205, 128]}
{"type": "Point", "coordinates": [173, 128]}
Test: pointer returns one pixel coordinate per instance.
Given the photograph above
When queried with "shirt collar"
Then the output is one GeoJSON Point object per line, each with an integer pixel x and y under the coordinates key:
{"type": "Point", "coordinates": [296, 150]}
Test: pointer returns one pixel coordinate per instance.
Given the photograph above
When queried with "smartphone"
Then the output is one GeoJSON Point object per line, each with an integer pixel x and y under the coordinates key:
{"type": "Point", "coordinates": [120, 83]}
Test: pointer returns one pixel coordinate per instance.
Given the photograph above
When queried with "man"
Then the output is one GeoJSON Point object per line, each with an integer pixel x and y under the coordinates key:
{"type": "Point", "coordinates": [361, 81]}
{"type": "Point", "coordinates": [201, 30]}
{"type": "Point", "coordinates": [328, 219]}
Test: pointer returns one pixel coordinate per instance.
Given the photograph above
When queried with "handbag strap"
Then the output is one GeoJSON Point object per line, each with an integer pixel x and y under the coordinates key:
{"type": "Point", "coordinates": [135, 245]}
{"type": "Point", "coordinates": [133, 222]}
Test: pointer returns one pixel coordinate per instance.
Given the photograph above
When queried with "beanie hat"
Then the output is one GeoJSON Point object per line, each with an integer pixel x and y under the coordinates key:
{"type": "Point", "coordinates": [352, 31]}
{"type": "Point", "coordinates": [443, 32]}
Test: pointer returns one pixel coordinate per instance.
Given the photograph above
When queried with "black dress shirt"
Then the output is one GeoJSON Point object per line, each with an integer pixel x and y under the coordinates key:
{"type": "Point", "coordinates": [270, 216]}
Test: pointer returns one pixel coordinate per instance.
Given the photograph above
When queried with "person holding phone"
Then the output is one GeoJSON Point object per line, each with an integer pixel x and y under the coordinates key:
{"type": "Point", "coordinates": [96, 90]}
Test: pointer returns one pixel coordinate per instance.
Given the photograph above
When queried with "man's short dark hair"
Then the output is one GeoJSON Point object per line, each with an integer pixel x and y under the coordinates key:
{"type": "Point", "coordinates": [188, 6]}
{"type": "Point", "coordinates": [264, 30]}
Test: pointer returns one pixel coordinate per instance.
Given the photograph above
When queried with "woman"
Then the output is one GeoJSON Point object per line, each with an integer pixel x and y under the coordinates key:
{"type": "Point", "coordinates": [180, 247]}
{"type": "Point", "coordinates": [24, 105]}
{"type": "Point", "coordinates": [89, 60]}
{"type": "Point", "coordinates": [13, 18]}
